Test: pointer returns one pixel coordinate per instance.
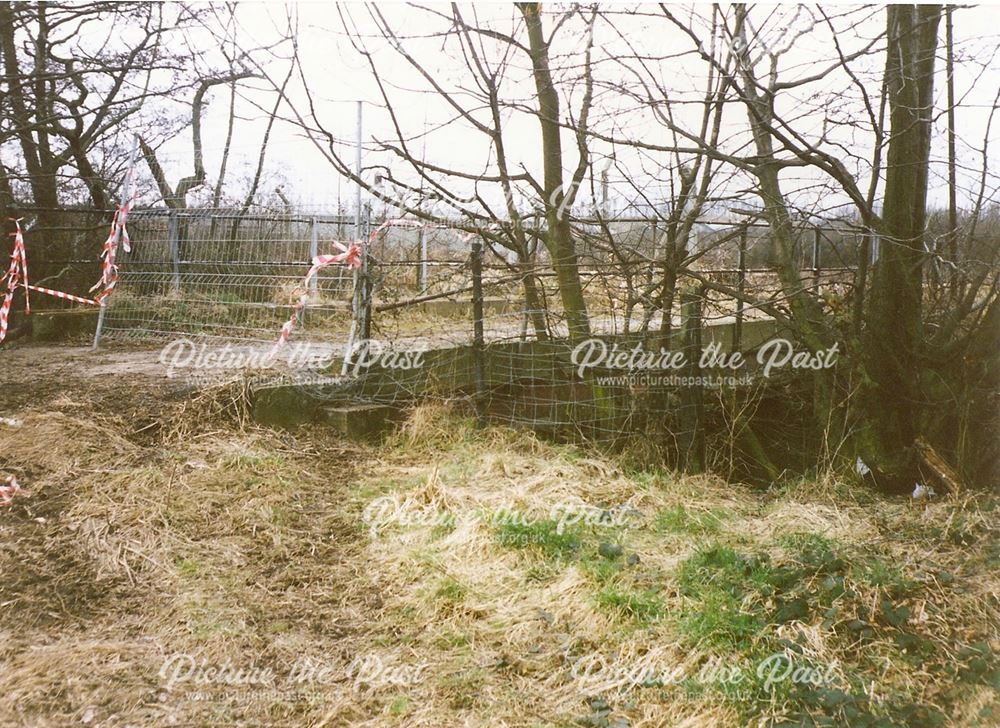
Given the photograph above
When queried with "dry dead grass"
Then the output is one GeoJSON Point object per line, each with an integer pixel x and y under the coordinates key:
{"type": "Point", "coordinates": [209, 540]}
{"type": "Point", "coordinates": [249, 547]}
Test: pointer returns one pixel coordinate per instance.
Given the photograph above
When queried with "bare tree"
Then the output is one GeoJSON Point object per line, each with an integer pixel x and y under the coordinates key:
{"type": "Point", "coordinates": [67, 94]}
{"type": "Point", "coordinates": [470, 193]}
{"type": "Point", "coordinates": [895, 350]}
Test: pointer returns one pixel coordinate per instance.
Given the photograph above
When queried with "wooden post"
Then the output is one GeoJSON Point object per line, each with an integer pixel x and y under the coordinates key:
{"type": "Point", "coordinates": [741, 285]}
{"type": "Point", "coordinates": [691, 438]}
{"type": "Point", "coordinates": [815, 258]}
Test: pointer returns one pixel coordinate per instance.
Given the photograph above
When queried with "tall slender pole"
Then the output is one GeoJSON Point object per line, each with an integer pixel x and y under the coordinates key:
{"type": "Point", "coordinates": [741, 287]}
{"type": "Point", "coordinates": [691, 438]}
{"type": "Point", "coordinates": [173, 245]}
{"type": "Point", "coordinates": [604, 193]}
{"type": "Point", "coordinates": [366, 288]}
{"type": "Point", "coordinates": [357, 171]}
{"type": "Point", "coordinates": [817, 235]}
{"type": "Point", "coordinates": [360, 276]}
{"type": "Point", "coordinates": [123, 198]}
{"type": "Point", "coordinates": [478, 338]}
{"type": "Point", "coordinates": [313, 252]}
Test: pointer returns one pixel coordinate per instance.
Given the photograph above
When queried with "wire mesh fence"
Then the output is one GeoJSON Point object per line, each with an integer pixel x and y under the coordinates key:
{"type": "Point", "coordinates": [231, 276]}
{"type": "Point", "coordinates": [436, 312]}
{"type": "Point", "coordinates": [224, 275]}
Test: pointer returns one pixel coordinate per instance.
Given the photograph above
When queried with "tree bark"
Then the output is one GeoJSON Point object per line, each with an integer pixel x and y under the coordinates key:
{"type": "Point", "coordinates": [43, 186]}
{"type": "Point", "coordinates": [559, 235]}
{"type": "Point", "coordinates": [894, 333]}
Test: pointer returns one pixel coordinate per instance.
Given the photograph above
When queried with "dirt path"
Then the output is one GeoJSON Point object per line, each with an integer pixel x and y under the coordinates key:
{"type": "Point", "coordinates": [156, 536]}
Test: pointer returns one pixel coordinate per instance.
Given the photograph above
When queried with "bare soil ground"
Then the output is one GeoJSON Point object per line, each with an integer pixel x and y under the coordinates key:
{"type": "Point", "coordinates": [172, 564]}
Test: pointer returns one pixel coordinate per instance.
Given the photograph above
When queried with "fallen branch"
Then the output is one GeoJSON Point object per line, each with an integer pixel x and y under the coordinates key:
{"type": "Point", "coordinates": [935, 470]}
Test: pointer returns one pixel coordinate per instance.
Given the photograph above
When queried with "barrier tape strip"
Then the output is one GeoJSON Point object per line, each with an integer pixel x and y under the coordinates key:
{"type": "Point", "coordinates": [17, 270]}
{"type": "Point", "coordinates": [349, 256]}
{"type": "Point", "coordinates": [109, 271]}
{"type": "Point", "coordinates": [125, 208]}
{"type": "Point", "coordinates": [65, 296]}
{"type": "Point", "coordinates": [8, 490]}
{"type": "Point", "coordinates": [17, 273]}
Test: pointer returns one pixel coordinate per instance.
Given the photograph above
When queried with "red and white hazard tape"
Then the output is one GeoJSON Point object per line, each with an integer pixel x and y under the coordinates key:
{"type": "Point", "coordinates": [109, 271]}
{"type": "Point", "coordinates": [121, 216]}
{"type": "Point", "coordinates": [62, 295]}
{"type": "Point", "coordinates": [16, 271]}
{"type": "Point", "coordinates": [349, 256]}
{"type": "Point", "coordinates": [8, 490]}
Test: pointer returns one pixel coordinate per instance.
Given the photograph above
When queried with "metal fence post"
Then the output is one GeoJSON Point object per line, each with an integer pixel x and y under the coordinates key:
{"type": "Point", "coordinates": [355, 308]}
{"type": "Point", "coordinates": [313, 252]}
{"type": "Point", "coordinates": [172, 243]}
{"type": "Point", "coordinates": [360, 300]}
{"type": "Point", "coordinates": [367, 285]}
{"type": "Point", "coordinates": [422, 274]}
{"type": "Point", "coordinates": [478, 338]}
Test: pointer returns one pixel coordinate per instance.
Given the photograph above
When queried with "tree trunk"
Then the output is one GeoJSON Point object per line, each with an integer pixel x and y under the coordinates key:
{"type": "Point", "coordinates": [43, 186]}
{"type": "Point", "coordinates": [894, 331]}
{"type": "Point", "coordinates": [532, 298]}
{"type": "Point", "coordinates": [559, 237]}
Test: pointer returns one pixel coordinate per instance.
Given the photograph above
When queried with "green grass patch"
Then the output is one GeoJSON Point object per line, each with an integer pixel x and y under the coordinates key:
{"type": "Point", "coordinates": [679, 520]}
{"type": "Point", "coordinates": [187, 567]}
{"type": "Point", "coordinates": [719, 620]}
{"type": "Point", "coordinates": [450, 590]}
{"type": "Point", "coordinates": [724, 589]}
{"type": "Point", "coordinates": [877, 572]}
{"type": "Point", "coordinates": [553, 539]}
{"type": "Point", "coordinates": [642, 606]}
{"type": "Point", "coordinates": [252, 460]}
{"type": "Point", "coordinates": [462, 689]}
{"type": "Point", "coordinates": [451, 641]}
{"type": "Point", "coordinates": [399, 706]}
{"type": "Point", "coordinates": [601, 570]}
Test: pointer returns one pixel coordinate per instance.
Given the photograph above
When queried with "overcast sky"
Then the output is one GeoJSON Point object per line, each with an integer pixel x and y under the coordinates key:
{"type": "Point", "coordinates": [338, 75]}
